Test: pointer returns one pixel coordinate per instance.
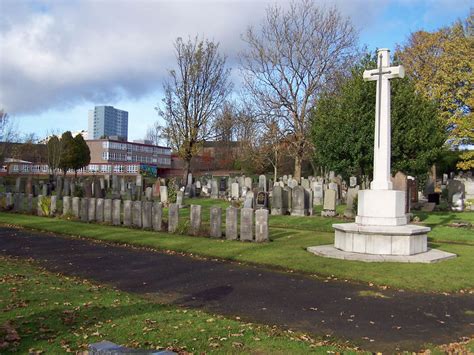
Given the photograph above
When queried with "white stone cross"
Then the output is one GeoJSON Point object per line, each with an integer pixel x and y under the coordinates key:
{"type": "Point", "coordinates": [382, 153]}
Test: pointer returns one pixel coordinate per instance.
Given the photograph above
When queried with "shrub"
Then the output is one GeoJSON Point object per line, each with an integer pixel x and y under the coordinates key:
{"type": "Point", "coordinates": [45, 205]}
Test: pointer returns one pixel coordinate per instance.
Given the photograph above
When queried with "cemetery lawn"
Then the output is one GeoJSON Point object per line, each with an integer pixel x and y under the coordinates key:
{"type": "Point", "coordinates": [46, 312]}
{"type": "Point", "coordinates": [290, 236]}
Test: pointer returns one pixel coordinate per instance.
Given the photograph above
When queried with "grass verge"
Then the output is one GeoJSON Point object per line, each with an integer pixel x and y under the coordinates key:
{"type": "Point", "coordinates": [287, 251]}
{"type": "Point", "coordinates": [45, 312]}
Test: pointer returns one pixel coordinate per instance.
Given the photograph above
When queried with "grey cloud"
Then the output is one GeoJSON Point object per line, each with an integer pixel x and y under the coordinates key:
{"type": "Point", "coordinates": [56, 54]}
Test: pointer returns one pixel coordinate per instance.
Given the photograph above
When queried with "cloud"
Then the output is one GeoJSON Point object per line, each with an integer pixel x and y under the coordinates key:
{"type": "Point", "coordinates": [58, 54]}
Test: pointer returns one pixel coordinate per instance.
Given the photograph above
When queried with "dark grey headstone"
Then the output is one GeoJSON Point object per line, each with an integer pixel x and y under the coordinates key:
{"type": "Point", "coordinates": [216, 222]}
{"type": "Point", "coordinates": [246, 224]}
{"type": "Point", "coordinates": [195, 219]}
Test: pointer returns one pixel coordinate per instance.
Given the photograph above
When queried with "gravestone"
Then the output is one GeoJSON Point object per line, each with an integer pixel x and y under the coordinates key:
{"type": "Point", "coordinates": [455, 186]}
{"type": "Point", "coordinates": [66, 188]}
{"type": "Point", "coordinates": [87, 189]}
{"type": "Point", "coordinates": [179, 199]}
{"type": "Point", "coordinates": [18, 184]}
{"type": "Point", "coordinates": [195, 219]}
{"type": "Point", "coordinates": [277, 201]}
{"type": "Point", "coordinates": [29, 186]}
{"type": "Point", "coordinates": [292, 183]}
{"type": "Point", "coordinates": [308, 201]}
{"type": "Point", "coordinates": [248, 183]}
{"type": "Point", "coordinates": [156, 188]}
{"type": "Point", "coordinates": [457, 202]}
{"type": "Point", "coordinates": [261, 225]}
{"type": "Point", "coordinates": [334, 186]}
{"type": "Point", "coordinates": [157, 216]}
{"type": "Point", "coordinates": [190, 179]}
{"type": "Point", "coordinates": [17, 202]}
{"type": "Point", "coordinates": [115, 184]}
{"type": "Point", "coordinates": [262, 183]}
{"type": "Point", "coordinates": [116, 212]}
{"type": "Point", "coordinates": [108, 210]}
{"type": "Point", "coordinates": [214, 189]}
{"type": "Point", "coordinates": [352, 181]}
{"type": "Point", "coordinates": [45, 190]}
{"type": "Point", "coordinates": [137, 214]}
{"type": "Point", "coordinates": [164, 194]}
{"type": "Point", "coordinates": [412, 187]}
{"type": "Point", "coordinates": [351, 196]}
{"type": "Point", "coordinates": [231, 222]}
{"type": "Point", "coordinates": [29, 208]}
{"type": "Point", "coordinates": [53, 205]}
{"type": "Point", "coordinates": [216, 222]}
{"type": "Point", "coordinates": [222, 187]}
{"type": "Point", "coordinates": [298, 207]}
{"type": "Point", "coordinates": [76, 207]}
{"type": "Point", "coordinates": [261, 201]}
{"type": "Point", "coordinates": [445, 179]}
{"type": "Point", "coordinates": [98, 189]}
{"type": "Point", "coordinates": [139, 180]}
{"type": "Point", "coordinates": [400, 183]}
{"type": "Point", "coordinates": [9, 200]}
{"type": "Point", "coordinates": [92, 209]}
{"type": "Point", "coordinates": [329, 206]}
{"type": "Point", "coordinates": [148, 193]}
{"type": "Point", "coordinates": [246, 224]}
{"type": "Point", "coordinates": [147, 214]}
{"type": "Point", "coordinates": [288, 191]}
{"type": "Point", "coordinates": [84, 209]}
{"type": "Point", "coordinates": [318, 194]}
{"type": "Point", "coordinates": [73, 188]}
{"type": "Point", "coordinates": [173, 217]}
{"type": "Point", "coordinates": [235, 191]}
{"type": "Point", "coordinates": [66, 205]}
{"type": "Point", "coordinates": [197, 188]}
{"type": "Point", "coordinates": [127, 213]}
{"type": "Point", "coordinates": [249, 199]}
{"type": "Point", "coordinates": [304, 183]}
{"type": "Point", "coordinates": [99, 210]}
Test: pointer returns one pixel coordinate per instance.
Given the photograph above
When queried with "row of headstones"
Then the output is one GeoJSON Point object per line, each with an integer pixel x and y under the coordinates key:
{"type": "Point", "coordinates": [149, 215]}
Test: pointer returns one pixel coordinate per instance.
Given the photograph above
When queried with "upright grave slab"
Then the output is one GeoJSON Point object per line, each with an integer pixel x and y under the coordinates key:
{"type": "Point", "coordinates": [231, 222]}
{"type": "Point", "coordinates": [246, 224]}
{"type": "Point", "coordinates": [157, 216]}
{"type": "Point", "coordinates": [216, 222]}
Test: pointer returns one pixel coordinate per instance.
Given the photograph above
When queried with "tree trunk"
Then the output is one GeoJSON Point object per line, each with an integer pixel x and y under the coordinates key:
{"type": "Point", "coordinates": [186, 169]}
{"type": "Point", "coordinates": [297, 172]}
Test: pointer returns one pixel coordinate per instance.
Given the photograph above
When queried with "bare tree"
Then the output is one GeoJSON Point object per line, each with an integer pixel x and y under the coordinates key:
{"type": "Point", "coordinates": [290, 60]}
{"type": "Point", "coordinates": [8, 134]}
{"type": "Point", "coordinates": [194, 95]}
{"type": "Point", "coordinates": [273, 144]}
{"type": "Point", "coordinates": [154, 133]}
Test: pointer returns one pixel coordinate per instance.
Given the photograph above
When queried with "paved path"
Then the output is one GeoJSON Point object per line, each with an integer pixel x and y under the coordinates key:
{"type": "Point", "coordinates": [402, 320]}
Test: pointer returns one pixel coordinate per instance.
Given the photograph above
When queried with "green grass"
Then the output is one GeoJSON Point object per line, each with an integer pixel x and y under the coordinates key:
{"type": "Point", "coordinates": [290, 237]}
{"type": "Point", "coordinates": [52, 313]}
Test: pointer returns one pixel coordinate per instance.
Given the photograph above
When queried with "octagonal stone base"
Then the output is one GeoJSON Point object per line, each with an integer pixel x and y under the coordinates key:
{"type": "Point", "coordinates": [381, 240]}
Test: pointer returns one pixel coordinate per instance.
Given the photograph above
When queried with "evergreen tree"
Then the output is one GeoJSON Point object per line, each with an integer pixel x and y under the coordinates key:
{"type": "Point", "coordinates": [83, 154]}
{"type": "Point", "coordinates": [343, 127]}
{"type": "Point", "coordinates": [68, 152]}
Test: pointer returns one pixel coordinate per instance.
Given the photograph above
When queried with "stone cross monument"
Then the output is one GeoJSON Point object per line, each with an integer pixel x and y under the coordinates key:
{"type": "Point", "coordinates": [381, 231]}
{"type": "Point", "coordinates": [382, 74]}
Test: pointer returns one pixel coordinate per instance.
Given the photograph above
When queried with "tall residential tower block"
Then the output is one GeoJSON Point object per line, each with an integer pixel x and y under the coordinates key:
{"type": "Point", "coordinates": [107, 121]}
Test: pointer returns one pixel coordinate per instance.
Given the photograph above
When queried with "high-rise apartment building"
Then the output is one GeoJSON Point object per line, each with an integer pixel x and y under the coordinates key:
{"type": "Point", "coordinates": [107, 121]}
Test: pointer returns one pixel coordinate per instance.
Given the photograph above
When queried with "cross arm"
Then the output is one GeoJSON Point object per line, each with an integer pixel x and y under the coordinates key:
{"type": "Point", "coordinates": [387, 72]}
